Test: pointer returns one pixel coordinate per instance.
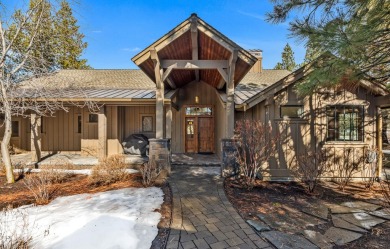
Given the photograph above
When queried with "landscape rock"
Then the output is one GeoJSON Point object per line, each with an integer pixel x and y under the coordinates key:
{"type": "Point", "coordinates": [287, 241]}
{"type": "Point", "coordinates": [338, 209]}
{"type": "Point", "coordinates": [361, 205]}
{"type": "Point", "coordinates": [363, 220]}
{"type": "Point", "coordinates": [258, 225]}
{"type": "Point", "coordinates": [383, 213]}
{"type": "Point", "coordinates": [341, 236]}
{"type": "Point", "coordinates": [318, 239]}
{"type": "Point", "coordinates": [317, 211]}
{"type": "Point", "coordinates": [340, 223]}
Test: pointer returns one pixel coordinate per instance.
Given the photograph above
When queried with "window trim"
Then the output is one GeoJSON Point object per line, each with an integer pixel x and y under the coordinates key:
{"type": "Point", "coordinates": [282, 117]}
{"type": "Point", "coordinates": [153, 122]}
{"type": "Point", "coordinates": [361, 114]}
{"type": "Point", "coordinates": [12, 127]}
{"type": "Point", "coordinates": [89, 118]}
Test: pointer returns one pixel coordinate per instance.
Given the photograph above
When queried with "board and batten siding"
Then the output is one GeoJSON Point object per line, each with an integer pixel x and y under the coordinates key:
{"type": "Point", "coordinates": [298, 135]}
{"type": "Point", "coordinates": [208, 96]}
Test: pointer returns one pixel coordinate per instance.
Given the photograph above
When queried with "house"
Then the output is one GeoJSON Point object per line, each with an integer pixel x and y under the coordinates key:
{"type": "Point", "coordinates": [193, 84]}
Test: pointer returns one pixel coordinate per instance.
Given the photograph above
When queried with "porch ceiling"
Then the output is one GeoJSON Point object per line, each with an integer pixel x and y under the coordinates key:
{"type": "Point", "coordinates": [196, 44]}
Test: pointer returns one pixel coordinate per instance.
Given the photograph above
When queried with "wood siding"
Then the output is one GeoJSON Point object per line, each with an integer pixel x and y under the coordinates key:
{"type": "Point", "coordinates": [186, 97]}
{"type": "Point", "coordinates": [298, 135]}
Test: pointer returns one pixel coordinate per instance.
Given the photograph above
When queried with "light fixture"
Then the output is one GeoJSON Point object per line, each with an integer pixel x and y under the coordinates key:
{"type": "Point", "coordinates": [196, 99]}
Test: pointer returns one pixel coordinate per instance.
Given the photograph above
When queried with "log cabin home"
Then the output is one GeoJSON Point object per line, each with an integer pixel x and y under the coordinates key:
{"type": "Point", "coordinates": [191, 87]}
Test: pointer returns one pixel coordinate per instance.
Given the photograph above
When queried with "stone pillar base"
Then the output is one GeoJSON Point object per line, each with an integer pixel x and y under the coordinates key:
{"type": "Point", "coordinates": [229, 165]}
{"type": "Point", "coordinates": [160, 153]}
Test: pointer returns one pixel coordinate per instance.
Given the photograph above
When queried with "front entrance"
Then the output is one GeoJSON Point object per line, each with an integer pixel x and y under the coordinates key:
{"type": "Point", "coordinates": [199, 130]}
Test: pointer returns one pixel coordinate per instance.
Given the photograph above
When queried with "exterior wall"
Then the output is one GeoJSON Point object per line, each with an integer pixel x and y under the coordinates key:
{"type": "Point", "coordinates": [186, 96]}
{"type": "Point", "coordinates": [22, 141]}
{"type": "Point", "coordinates": [297, 135]}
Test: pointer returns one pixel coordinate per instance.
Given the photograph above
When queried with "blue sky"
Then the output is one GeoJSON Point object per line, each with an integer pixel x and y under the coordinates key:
{"type": "Point", "coordinates": [116, 30]}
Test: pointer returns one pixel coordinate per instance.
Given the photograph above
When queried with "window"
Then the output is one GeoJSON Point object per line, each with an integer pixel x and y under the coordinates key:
{"type": "Point", "coordinates": [79, 123]}
{"type": "Point", "coordinates": [198, 111]}
{"type": "Point", "coordinates": [147, 123]}
{"type": "Point", "coordinates": [291, 111]}
{"type": "Point", "coordinates": [93, 118]}
{"type": "Point", "coordinates": [345, 123]}
{"type": "Point", "coordinates": [15, 129]}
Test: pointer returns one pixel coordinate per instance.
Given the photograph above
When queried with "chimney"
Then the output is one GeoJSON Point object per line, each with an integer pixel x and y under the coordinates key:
{"type": "Point", "coordinates": [257, 67]}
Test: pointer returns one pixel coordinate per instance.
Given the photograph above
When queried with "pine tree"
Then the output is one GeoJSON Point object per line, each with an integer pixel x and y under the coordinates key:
{"type": "Point", "coordinates": [69, 40]}
{"type": "Point", "coordinates": [355, 32]}
{"type": "Point", "coordinates": [312, 52]}
{"type": "Point", "coordinates": [288, 61]}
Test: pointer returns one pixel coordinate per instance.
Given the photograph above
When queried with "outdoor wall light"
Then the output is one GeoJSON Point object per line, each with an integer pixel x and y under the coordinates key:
{"type": "Point", "coordinates": [197, 99]}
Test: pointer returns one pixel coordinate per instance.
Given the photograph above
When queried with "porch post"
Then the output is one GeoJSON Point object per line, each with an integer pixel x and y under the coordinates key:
{"type": "Point", "coordinates": [102, 133]}
{"type": "Point", "coordinates": [379, 125]}
{"type": "Point", "coordinates": [230, 96]}
{"type": "Point", "coordinates": [168, 121]}
{"type": "Point", "coordinates": [35, 122]}
{"type": "Point", "coordinates": [158, 72]}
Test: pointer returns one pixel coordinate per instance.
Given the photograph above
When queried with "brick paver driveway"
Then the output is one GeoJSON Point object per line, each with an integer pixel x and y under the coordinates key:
{"type": "Point", "coordinates": [202, 215]}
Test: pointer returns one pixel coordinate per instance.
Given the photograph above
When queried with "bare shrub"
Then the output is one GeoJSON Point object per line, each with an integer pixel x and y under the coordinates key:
{"type": "Point", "coordinates": [385, 189]}
{"type": "Point", "coordinates": [150, 172]}
{"type": "Point", "coordinates": [311, 165]}
{"type": "Point", "coordinates": [255, 144]}
{"type": "Point", "coordinates": [110, 170]}
{"type": "Point", "coordinates": [40, 184]}
{"type": "Point", "coordinates": [348, 168]}
{"type": "Point", "coordinates": [15, 232]}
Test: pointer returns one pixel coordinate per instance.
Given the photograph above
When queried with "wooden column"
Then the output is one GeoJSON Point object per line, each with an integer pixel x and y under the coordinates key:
{"type": "Point", "coordinates": [102, 133]}
{"type": "Point", "coordinates": [158, 72]}
{"type": "Point", "coordinates": [230, 96]}
{"type": "Point", "coordinates": [36, 145]}
{"type": "Point", "coordinates": [168, 121]}
{"type": "Point", "coordinates": [194, 43]}
{"type": "Point", "coordinates": [379, 125]}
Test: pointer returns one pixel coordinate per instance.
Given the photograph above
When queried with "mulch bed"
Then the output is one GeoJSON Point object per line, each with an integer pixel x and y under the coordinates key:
{"type": "Point", "coordinates": [166, 218]}
{"type": "Point", "coordinates": [277, 197]}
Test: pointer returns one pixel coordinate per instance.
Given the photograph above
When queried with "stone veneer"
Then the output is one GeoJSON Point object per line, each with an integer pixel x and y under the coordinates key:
{"type": "Point", "coordinates": [228, 165]}
{"type": "Point", "coordinates": [160, 152]}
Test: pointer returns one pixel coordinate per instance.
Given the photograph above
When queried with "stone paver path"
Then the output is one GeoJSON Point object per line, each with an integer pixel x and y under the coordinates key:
{"type": "Point", "coordinates": [202, 215]}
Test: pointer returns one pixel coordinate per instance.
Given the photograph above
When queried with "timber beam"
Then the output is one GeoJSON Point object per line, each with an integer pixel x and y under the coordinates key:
{"type": "Point", "coordinates": [194, 43]}
{"type": "Point", "coordinates": [158, 73]}
{"type": "Point", "coordinates": [194, 64]}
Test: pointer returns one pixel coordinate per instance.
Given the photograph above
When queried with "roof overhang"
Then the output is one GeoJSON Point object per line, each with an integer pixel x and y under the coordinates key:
{"type": "Point", "coordinates": [374, 88]}
{"type": "Point", "coordinates": [194, 51]}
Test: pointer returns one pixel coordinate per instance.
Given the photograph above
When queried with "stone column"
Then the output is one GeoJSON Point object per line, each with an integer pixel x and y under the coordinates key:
{"type": "Point", "coordinates": [229, 165]}
{"type": "Point", "coordinates": [160, 153]}
{"type": "Point", "coordinates": [102, 133]}
{"type": "Point", "coordinates": [36, 122]}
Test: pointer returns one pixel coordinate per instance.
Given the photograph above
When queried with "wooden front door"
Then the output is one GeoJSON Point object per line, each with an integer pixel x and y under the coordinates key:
{"type": "Point", "coordinates": [199, 134]}
{"type": "Point", "coordinates": [206, 134]}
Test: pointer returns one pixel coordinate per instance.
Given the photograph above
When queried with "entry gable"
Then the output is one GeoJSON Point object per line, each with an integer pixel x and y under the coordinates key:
{"type": "Point", "coordinates": [194, 51]}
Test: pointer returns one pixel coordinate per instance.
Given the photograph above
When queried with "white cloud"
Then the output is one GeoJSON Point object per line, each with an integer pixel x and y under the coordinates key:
{"type": "Point", "coordinates": [253, 15]}
{"type": "Point", "coordinates": [131, 49]}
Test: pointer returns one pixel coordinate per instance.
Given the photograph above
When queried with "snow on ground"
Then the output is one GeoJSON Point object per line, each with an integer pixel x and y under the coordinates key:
{"type": "Point", "coordinates": [124, 218]}
{"type": "Point", "coordinates": [216, 171]}
{"type": "Point", "coordinates": [69, 171]}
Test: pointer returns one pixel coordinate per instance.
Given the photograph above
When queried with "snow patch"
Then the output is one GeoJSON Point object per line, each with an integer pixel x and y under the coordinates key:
{"type": "Point", "coordinates": [124, 218]}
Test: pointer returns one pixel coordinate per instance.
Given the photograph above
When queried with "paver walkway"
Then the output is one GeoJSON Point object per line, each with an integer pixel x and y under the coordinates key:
{"type": "Point", "coordinates": [202, 215]}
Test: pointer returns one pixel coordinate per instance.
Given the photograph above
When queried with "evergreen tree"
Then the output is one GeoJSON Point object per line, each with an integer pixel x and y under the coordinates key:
{"type": "Point", "coordinates": [69, 39]}
{"type": "Point", "coordinates": [288, 61]}
{"type": "Point", "coordinates": [312, 53]}
{"type": "Point", "coordinates": [355, 32]}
